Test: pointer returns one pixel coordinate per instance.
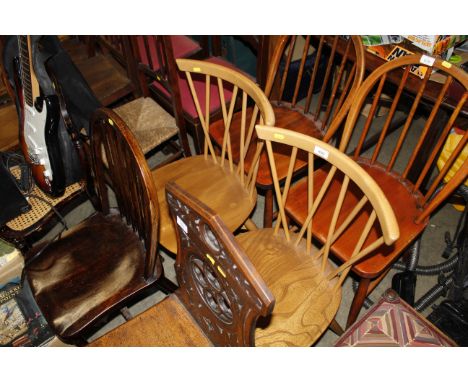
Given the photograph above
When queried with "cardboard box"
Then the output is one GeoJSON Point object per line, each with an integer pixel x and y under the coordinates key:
{"type": "Point", "coordinates": [435, 45]}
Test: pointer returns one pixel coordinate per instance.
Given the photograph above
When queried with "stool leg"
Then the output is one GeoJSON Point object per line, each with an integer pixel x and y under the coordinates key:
{"type": "Point", "coordinates": [336, 328]}
{"type": "Point", "coordinates": [358, 301]}
{"type": "Point", "coordinates": [268, 209]}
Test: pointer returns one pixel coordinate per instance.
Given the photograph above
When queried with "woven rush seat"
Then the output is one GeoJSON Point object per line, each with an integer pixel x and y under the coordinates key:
{"type": "Point", "coordinates": [149, 122]}
{"type": "Point", "coordinates": [39, 208]}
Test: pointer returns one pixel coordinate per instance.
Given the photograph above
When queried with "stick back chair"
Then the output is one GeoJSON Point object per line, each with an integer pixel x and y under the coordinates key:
{"type": "Point", "coordinates": [103, 262]}
{"type": "Point", "coordinates": [405, 174]}
{"type": "Point", "coordinates": [311, 95]}
{"type": "Point", "coordinates": [213, 177]}
{"type": "Point", "coordinates": [295, 264]}
{"type": "Point", "coordinates": [220, 295]}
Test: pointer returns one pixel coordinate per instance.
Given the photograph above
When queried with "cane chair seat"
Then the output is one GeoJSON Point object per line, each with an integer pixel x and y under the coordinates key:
{"type": "Point", "coordinates": [207, 181]}
{"type": "Point", "coordinates": [305, 300]}
{"type": "Point", "coordinates": [39, 208]}
{"type": "Point", "coordinates": [149, 122]}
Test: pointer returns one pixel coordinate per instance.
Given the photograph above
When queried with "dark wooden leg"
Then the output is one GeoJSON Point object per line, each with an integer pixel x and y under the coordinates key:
{"type": "Point", "coordinates": [165, 285]}
{"type": "Point", "coordinates": [358, 301]}
{"type": "Point", "coordinates": [198, 139]}
{"type": "Point", "coordinates": [268, 209]}
{"type": "Point", "coordinates": [336, 328]}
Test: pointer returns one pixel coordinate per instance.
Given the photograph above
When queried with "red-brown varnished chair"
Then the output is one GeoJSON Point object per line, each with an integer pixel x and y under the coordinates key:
{"type": "Point", "coordinates": [160, 78]}
{"type": "Point", "coordinates": [294, 264]}
{"type": "Point", "coordinates": [220, 295]}
{"type": "Point", "coordinates": [311, 95]}
{"type": "Point", "coordinates": [101, 263]}
{"type": "Point", "coordinates": [213, 177]}
{"type": "Point", "coordinates": [405, 175]}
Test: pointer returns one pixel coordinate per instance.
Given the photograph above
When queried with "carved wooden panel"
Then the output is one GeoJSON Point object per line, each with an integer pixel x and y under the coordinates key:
{"type": "Point", "coordinates": [218, 284]}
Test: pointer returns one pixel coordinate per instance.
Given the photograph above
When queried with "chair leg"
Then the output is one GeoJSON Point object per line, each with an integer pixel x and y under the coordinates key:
{"type": "Point", "coordinates": [165, 285]}
{"type": "Point", "coordinates": [336, 328]}
{"type": "Point", "coordinates": [268, 209]}
{"type": "Point", "coordinates": [358, 301]}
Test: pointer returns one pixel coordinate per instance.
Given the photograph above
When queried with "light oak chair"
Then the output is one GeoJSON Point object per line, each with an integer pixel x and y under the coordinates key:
{"type": "Point", "coordinates": [96, 267]}
{"type": "Point", "coordinates": [213, 178]}
{"type": "Point", "coordinates": [405, 175]}
{"type": "Point", "coordinates": [295, 264]}
{"type": "Point", "coordinates": [310, 95]}
{"type": "Point", "coordinates": [220, 295]}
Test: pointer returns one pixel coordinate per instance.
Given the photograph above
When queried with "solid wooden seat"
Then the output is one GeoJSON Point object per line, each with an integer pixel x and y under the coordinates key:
{"type": "Point", "coordinates": [149, 122]}
{"type": "Point", "coordinates": [220, 295]}
{"type": "Point", "coordinates": [151, 328]}
{"type": "Point", "coordinates": [110, 257]}
{"type": "Point", "coordinates": [87, 253]}
{"type": "Point", "coordinates": [210, 183]}
{"type": "Point", "coordinates": [312, 98]}
{"type": "Point", "coordinates": [305, 300]}
{"type": "Point", "coordinates": [405, 203]}
{"type": "Point", "coordinates": [214, 178]}
{"type": "Point", "coordinates": [405, 175]}
{"type": "Point", "coordinates": [296, 267]}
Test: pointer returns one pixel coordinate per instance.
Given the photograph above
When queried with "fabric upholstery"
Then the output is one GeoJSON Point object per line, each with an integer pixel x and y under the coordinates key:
{"type": "Point", "coordinates": [392, 322]}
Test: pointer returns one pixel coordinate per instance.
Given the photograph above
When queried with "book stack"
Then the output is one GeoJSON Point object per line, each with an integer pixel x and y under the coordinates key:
{"type": "Point", "coordinates": [21, 321]}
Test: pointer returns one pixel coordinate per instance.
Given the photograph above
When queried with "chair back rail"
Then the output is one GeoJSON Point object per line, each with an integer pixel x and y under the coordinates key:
{"type": "Point", "coordinates": [116, 151]}
{"type": "Point", "coordinates": [373, 89]}
{"type": "Point", "coordinates": [229, 80]}
{"type": "Point", "coordinates": [337, 72]}
{"type": "Point", "coordinates": [218, 284]}
{"type": "Point", "coordinates": [371, 198]}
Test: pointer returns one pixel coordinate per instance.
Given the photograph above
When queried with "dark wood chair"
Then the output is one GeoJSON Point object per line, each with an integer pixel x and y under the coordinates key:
{"type": "Point", "coordinates": [295, 264]}
{"type": "Point", "coordinates": [106, 65]}
{"type": "Point", "coordinates": [310, 95]}
{"type": "Point", "coordinates": [213, 177]}
{"type": "Point", "coordinates": [109, 258]}
{"type": "Point", "coordinates": [405, 175]}
{"type": "Point", "coordinates": [160, 78]}
{"type": "Point", "coordinates": [221, 295]}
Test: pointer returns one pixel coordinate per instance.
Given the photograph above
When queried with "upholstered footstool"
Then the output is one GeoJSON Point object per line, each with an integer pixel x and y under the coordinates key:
{"type": "Point", "coordinates": [392, 322]}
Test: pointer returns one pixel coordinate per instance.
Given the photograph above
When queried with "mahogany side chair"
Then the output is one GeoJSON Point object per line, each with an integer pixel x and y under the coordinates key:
{"type": "Point", "coordinates": [220, 295]}
{"type": "Point", "coordinates": [160, 78]}
{"type": "Point", "coordinates": [8, 116]}
{"type": "Point", "coordinates": [405, 175]}
{"type": "Point", "coordinates": [100, 264]}
{"type": "Point", "coordinates": [294, 263]}
{"type": "Point", "coordinates": [213, 178]}
{"type": "Point", "coordinates": [310, 96]}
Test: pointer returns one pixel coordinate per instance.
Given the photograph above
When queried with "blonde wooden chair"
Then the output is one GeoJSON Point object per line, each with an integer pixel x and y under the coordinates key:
{"type": "Point", "coordinates": [310, 95]}
{"type": "Point", "coordinates": [220, 295]}
{"type": "Point", "coordinates": [213, 178]}
{"type": "Point", "coordinates": [405, 174]}
{"type": "Point", "coordinates": [295, 264]}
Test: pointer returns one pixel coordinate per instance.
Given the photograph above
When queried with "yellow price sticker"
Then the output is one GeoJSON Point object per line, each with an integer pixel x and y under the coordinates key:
{"type": "Point", "coordinates": [278, 136]}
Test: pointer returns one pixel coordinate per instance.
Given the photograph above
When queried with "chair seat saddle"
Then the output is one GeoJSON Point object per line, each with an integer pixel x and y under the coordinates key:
{"type": "Point", "coordinates": [404, 201]}
{"type": "Point", "coordinates": [149, 122]}
{"type": "Point", "coordinates": [306, 301]}
{"type": "Point", "coordinates": [217, 187]}
{"type": "Point", "coordinates": [93, 265]}
{"type": "Point", "coordinates": [285, 118]}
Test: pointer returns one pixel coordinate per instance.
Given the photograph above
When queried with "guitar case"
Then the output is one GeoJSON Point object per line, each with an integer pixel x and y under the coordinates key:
{"type": "Point", "coordinates": [50, 57]}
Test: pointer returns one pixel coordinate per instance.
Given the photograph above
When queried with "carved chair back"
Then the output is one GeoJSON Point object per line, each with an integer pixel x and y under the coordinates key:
{"type": "Point", "coordinates": [218, 284]}
{"type": "Point", "coordinates": [220, 81]}
{"type": "Point", "coordinates": [116, 152]}
{"type": "Point", "coordinates": [363, 199]}
{"type": "Point", "coordinates": [415, 170]}
{"type": "Point", "coordinates": [325, 77]}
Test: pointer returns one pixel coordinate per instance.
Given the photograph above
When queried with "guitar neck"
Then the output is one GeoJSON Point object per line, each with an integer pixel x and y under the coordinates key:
{"type": "Point", "coordinates": [28, 76]}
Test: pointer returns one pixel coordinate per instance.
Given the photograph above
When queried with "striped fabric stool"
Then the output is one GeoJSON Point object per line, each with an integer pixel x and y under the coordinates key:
{"type": "Point", "coordinates": [392, 322]}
